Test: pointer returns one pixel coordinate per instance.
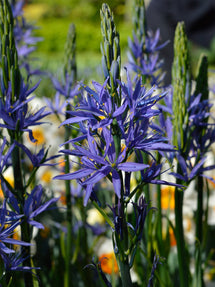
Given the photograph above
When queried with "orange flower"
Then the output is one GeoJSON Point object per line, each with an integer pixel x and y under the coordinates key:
{"type": "Point", "coordinates": [63, 198]}
{"type": "Point", "coordinates": [172, 237]}
{"type": "Point", "coordinates": [167, 197]}
{"type": "Point", "coordinates": [108, 263]}
{"type": "Point", "coordinates": [45, 232]}
{"type": "Point", "coordinates": [211, 183]}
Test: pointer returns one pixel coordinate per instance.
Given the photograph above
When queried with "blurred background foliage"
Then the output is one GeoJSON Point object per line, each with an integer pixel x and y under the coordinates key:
{"type": "Point", "coordinates": [53, 17]}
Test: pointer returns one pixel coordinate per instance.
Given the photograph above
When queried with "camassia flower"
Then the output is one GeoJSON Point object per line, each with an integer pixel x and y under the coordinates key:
{"type": "Point", "coordinates": [144, 56]}
{"type": "Point", "coordinates": [95, 165]}
{"type": "Point", "coordinates": [139, 99]}
{"type": "Point", "coordinates": [65, 88]}
{"type": "Point", "coordinates": [40, 158]}
{"type": "Point", "coordinates": [4, 157]}
{"type": "Point", "coordinates": [16, 115]}
{"type": "Point", "coordinates": [190, 170]}
{"type": "Point", "coordinates": [141, 210]}
{"type": "Point", "coordinates": [13, 262]}
{"type": "Point", "coordinates": [104, 120]}
{"type": "Point", "coordinates": [24, 39]}
{"type": "Point", "coordinates": [33, 205]}
{"type": "Point", "coordinates": [8, 222]}
{"type": "Point", "coordinates": [98, 108]}
{"type": "Point", "coordinates": [55, 105]}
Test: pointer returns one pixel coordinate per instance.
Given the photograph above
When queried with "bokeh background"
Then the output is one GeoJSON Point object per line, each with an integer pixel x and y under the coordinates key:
{"type": "Point", "coordinates": [53, 17]}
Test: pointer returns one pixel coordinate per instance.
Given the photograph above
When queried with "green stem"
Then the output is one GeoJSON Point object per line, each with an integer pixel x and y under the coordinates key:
{"type": "Point", "coordinates": [25, 228]}
{"type": "Point", "coordinates": [148, 222]}
{"type": "Point", "coordinates": [125, 273]}
{"type": "Point", "coordinates": [159, 221]}
{"type": "Point", "coordinates": [159, 212]}
{"type": "Point", "coordinates": [198, 275]}
{"type": "Point", "coordinates": [68, 279]}
{"type": "Point", "coordinates": [179, 235]}
{"type": "Point", "coordinates": [122, 242]}
{"type": "Point", "coordinates": [199, 214]}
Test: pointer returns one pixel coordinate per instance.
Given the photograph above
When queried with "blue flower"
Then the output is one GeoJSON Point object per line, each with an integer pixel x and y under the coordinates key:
{"type": "Point", "coordinates": [156, 261]}
{"type": "Point", "coordinates": [190, 170]}
{"type": "Point", "coordinates": [141, 210]}
{"type": "Point", "coordinates": [16, 115]}
{"type": "Point", "coordinates": [33, 205]}
{"type": "Point", "coordinates": [139, 137]}
{"type": "Point", "coordinates": [8, 222]}
{"type": "Point", "coordinates": [140, 100]}
{"type": "Point", "coordinates": [55, 105]}
{"type": "Point", "coordinates": [13, 261]}
{"type": "Point", "coordinates": [99, 108]}
{"type": "Point", "coordinates": [39, 159]}
{"type": "Point", "coordinates": [25, 42]}
{"type": "Point", "coordinates": [144, 57]}
{"type": "Point", "coordinates": [97, 165]}
{"type": "Point", "coordinates": [4, 157]}
{"type": "Point", "coordinates": [68, 89]}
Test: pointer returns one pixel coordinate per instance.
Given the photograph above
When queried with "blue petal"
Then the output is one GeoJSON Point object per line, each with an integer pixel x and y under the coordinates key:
{"type": "Point", "coordinates": [132, 166]}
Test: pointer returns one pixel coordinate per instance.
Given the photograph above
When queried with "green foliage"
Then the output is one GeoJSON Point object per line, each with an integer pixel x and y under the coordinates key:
{"type": "Point", "coordinates": [202, 78]}
{"type": "Point", "coordinates": [54, 18]}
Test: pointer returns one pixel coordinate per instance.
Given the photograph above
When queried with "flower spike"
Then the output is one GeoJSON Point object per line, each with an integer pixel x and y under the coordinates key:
{"type": "Point", "coordinates": [111, 59]}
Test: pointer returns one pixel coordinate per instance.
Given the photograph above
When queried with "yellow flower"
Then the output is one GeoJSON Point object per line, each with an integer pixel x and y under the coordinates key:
{"type": "Point", "coordinates": [94, 217]}
{"type": "Point", "coordinates": [38, 134]}
{"type": "Point", "coordinates": [10, 180]}
{"type": "Point", "coordinates": [46, 176]}
{"type": "Point", "coordinates": [167, 197]}
{"type": "Point", "coordinates": [1, 192]}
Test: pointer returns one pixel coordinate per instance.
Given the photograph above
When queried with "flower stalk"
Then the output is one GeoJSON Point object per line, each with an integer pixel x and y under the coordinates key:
{"type": "Point", "coordinates": [110, 48]}
{"type": "Point", "coordinates": [201, 88]}
{"type": "Point", "coordinates": [181, 95]}
{"type": "Point", "coordinates": [70, 74]}
{"type": "Point", "coordinates": [11, 74]}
